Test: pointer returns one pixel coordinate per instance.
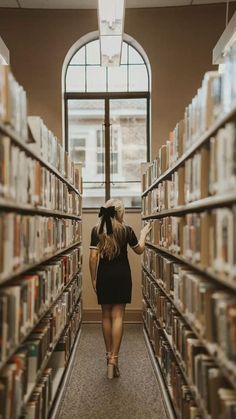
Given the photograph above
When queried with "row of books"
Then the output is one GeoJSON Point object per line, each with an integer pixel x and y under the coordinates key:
{"type": "Point", "coordinates": [32, 130]}
{"type": "Point", "coordinates": [44, 143]}
{"type": "Point", "coordinates": [20, 375]}
{"type": "Point", "coordinates": [216, 96]}
{"type": "Point", "coordinates": [180, 393]}
{"type": "Point", "coordinates": [208, 305]}
{"type": "Point", "coordinates": [24, 180]}
{"type": "Point", "coordinates": [24, 301]}
{"type": "Point", "coordinates": [13, 103]}
{"type": "Point", "coordinates": [28, 239]}
{"type": "Point", "coordinates": [211, 171]}
{"type": "Point", "coordinates": [200, 368]}
{"type": "Point", "coordinates": [206, 238]}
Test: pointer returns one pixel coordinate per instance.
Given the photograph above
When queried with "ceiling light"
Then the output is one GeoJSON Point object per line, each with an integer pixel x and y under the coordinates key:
{"type": "Point", "coordinates": [111, 25]}
{"type": "Point", "coordinates": [225, 42]}
{"type": "Point", "coordinates": [4, 53]}
{"type": "Point", "coordinates": [110, 50]}
{"type": "Point", "coordinates": [111, 17]}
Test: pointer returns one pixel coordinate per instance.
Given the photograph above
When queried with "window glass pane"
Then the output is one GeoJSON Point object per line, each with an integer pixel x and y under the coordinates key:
{"type": "Point", "coordinates": [134, 56]}
{"type": "Point", "coordinates": [129, 193]}
{"type": "Point", "coordinates": [86, 146]}
{"type": "Point", "coordinates": [96, 79]}
{"type": "Point", "coordinates": [79, 57]}
{"type": "Point", "coordinates": [124, 55]}
{"type": "Point", "coordinates": [75, 79]}
{"type": "Point", "coordinates": [100, 163]}
{"type": "Point", "coordinates": [128, 118]}
{"type": "Point", "coordinates": [138, 79]}
{"type": "Point", "coordinates": [117, 79]}
{"type": "Point", "coordinates": [93, 194]}
{"type": "Point", "coordinates": [93, 53]}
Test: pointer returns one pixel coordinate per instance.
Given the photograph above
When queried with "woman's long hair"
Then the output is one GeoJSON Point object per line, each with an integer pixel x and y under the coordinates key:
{"type": "Point", "coordinates": [110, 244]}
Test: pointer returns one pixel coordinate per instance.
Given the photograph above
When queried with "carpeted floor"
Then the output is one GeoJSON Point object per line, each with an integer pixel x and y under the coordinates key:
{"type": "Point", "coordinates": [90, 395]}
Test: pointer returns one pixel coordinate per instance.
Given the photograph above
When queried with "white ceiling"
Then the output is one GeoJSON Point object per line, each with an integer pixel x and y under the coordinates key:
{"type": "Point", "coordinates": [92, 4]}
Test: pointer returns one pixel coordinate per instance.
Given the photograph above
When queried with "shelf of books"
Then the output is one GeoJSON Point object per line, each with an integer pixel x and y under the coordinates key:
{"type": "Point", "coordinates": [40, 258]}
{"type": "Point", "coordinates": [189, 263]}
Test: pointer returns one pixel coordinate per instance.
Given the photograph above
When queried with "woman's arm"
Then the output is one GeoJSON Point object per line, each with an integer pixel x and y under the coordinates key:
{"type": "Point", "coordinates": [93, 262]}
{"type": "Point", "coordinates": [139, 249]}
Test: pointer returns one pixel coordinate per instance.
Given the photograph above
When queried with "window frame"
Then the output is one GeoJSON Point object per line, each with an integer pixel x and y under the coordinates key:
{"type": "Point", "coordinates": [107, 96]}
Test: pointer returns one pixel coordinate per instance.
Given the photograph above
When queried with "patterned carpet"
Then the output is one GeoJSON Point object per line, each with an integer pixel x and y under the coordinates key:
{"type": "Point", "coordinates": [90, 395]}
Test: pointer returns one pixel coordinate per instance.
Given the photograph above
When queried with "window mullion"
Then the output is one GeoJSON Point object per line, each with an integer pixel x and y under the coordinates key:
{"type": "Point", "coordinates": [107, 150]}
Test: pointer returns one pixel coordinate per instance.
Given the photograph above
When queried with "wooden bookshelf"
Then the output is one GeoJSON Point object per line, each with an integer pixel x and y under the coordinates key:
{"type": "Point", "coordinates": [228, 367]}
{"type": "Point", "coordinates": [197, 267]}
{"type": "Point", "coordinates": [181, 366]}
{"type": "Point", "coordinates": [197, 206]}
{"type": "Point", "coordinates": [44, 308]}
{"type": "Point", "coordinates": [28, 209]}
{"type": "Point", "coordinates": [21, 144]}
{"type": "Point", "coordinates": [160, 378]}
{"type": "Point", "coordinates": [26, 268]}
{"type": "Point", "coordinates": [193, 178]}
{"type": "Point", "coordinates": [13, 351]}
{"type": "Point", "coordinates": [192, 149]}
{"type": "Point", "coordinates": [63, 380]}
{"type": "Point", "coordinates": [45, 363]}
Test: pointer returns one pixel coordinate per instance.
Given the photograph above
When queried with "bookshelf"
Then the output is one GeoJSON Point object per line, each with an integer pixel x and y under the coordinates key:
{"type": "Point", "coordinates": [9, 132]}
{"type": "Point", "coordinates": [189, 262]}
{"type": "Point", "coordinates": [197, 144]}
{"type": "Point", "coordinates": [40, 259]}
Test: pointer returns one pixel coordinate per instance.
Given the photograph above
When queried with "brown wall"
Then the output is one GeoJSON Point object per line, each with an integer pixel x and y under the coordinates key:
{"type": "Point", "coordinates": [178, 42]}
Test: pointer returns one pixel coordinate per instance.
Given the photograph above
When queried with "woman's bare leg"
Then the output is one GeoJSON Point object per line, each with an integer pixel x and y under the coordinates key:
{"type": "Point", "coordinates": [107, 325]}
{"type": "Point", "coordinates": [117, 316]}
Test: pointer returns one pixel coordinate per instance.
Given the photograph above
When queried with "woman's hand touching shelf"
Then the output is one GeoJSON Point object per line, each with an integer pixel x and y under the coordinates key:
{"type": "Point", "coordinates": [141, 244]}
{"type": "Point", "coordinates": [146, 229]}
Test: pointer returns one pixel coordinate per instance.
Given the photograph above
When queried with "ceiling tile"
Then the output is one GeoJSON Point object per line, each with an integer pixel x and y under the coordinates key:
{"type": "Point", "coordinates": [156, 3]}
{"type": "Point", "coordinates": [92, 4]}
{"type": "Point", "coordinates": [58, 4]}
{"type": "Point", "coordinates": [8, 3]}
{"type": "Point", "coordinates": [210, 1]}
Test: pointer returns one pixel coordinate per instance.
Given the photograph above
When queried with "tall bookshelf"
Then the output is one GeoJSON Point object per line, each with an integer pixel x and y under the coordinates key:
{"type": "Point", "coordinates": [40, 259]}
{"type": "Point", "coordinates": [189, 263]}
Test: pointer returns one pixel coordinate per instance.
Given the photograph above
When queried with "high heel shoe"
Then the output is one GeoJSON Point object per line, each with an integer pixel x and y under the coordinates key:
{"type": "Point", "coordinates": [112, 369]}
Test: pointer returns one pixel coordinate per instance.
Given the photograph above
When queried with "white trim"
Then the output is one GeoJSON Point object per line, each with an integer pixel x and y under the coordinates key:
{"type": "Point", "coordinates": [4, 53]}
{"type": "Point", "coordinates": [93, 247]}
{"type": "Point", "coordinates": [133, 247]}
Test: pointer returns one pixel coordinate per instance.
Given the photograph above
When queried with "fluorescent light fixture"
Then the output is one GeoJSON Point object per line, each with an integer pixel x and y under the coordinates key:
{"type": "Point", "coordinates": [110, 50]}
{"type": "Point", "coordinates": [111, 17]}
{"type": "Point", "coordinates": [4, 53]}
{"type": "Point", "coordinates": [221, 68]}
{"type": "Point", "coordinates": [226, 40]}
{"type": "Point", "coordinates": [111, 26]}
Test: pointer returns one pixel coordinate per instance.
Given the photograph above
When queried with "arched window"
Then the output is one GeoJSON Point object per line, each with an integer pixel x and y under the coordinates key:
{"type": "Point", "coordinates": [107, 123]}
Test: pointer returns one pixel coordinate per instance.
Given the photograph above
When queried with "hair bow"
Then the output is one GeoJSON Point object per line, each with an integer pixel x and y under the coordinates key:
{"type": "Point", "coordinates": [106, 214]}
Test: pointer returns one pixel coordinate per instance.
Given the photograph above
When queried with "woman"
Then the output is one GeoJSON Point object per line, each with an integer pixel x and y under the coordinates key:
{"type": "Point", "coordinates": [110, 274]}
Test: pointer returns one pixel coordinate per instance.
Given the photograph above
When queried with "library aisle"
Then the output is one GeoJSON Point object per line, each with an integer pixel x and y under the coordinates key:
{"type": "Point", "coordinates": [89, 394]}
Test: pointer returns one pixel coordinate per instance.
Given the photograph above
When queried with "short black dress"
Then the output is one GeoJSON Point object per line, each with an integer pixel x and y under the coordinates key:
{"type": "Point", "coordinates": [114, 283]}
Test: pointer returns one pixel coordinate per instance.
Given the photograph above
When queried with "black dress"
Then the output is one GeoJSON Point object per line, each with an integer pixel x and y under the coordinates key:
{"type": "Point", "coordinates": [114, 283]}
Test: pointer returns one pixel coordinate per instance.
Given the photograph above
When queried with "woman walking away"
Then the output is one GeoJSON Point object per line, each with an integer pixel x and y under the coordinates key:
{"type": "Point", "coordinates": [110, 274]}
